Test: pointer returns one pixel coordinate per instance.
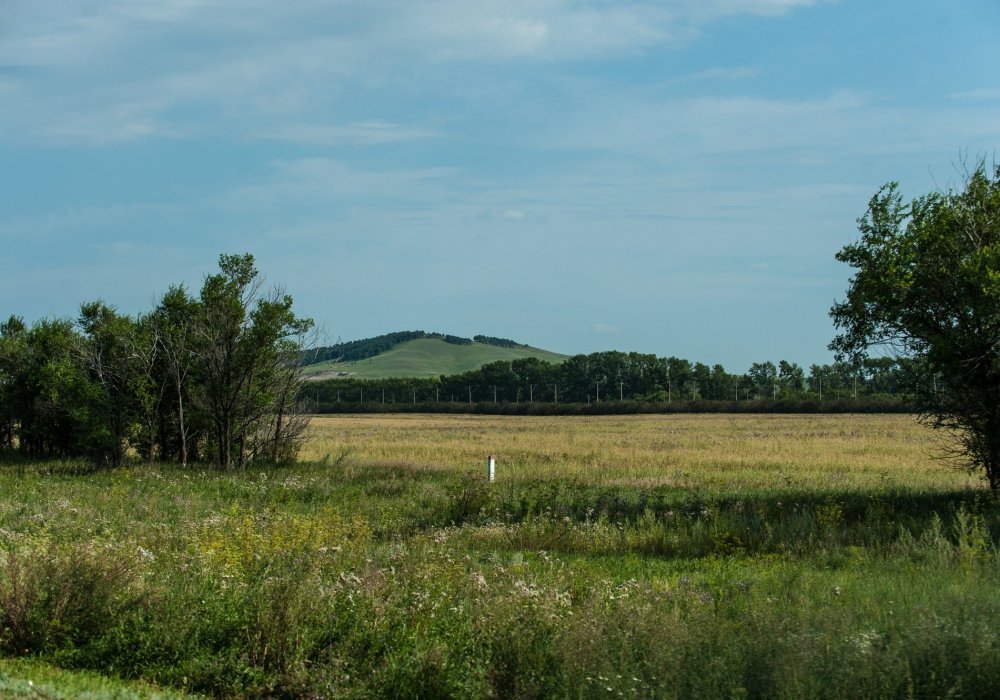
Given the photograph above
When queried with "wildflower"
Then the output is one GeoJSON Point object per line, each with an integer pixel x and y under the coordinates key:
{"type": "Point", "coordinates": [145, 554]}
{"type": "Point", "coordinates": [865, 641]}
{"type": "Point", "coordinates": [525, 590]}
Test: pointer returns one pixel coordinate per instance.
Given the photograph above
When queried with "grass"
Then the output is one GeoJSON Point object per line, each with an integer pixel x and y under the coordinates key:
{"type": "Point", "coordinates": [642, 556]}
{"type": "Point", "coordinates": [689, 452]}
{"type": "Point", "coordinates": [428, 357]}
{"type": "Point", "coordinates": [29, 679]}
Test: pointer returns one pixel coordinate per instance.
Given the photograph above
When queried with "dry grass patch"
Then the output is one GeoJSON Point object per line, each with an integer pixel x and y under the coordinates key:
{"type": "Point", "coordinates": [687, 451]}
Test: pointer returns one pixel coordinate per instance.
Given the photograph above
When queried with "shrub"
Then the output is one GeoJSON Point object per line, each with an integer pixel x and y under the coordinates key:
{"type": "Point", "coordinates": [63, 596]}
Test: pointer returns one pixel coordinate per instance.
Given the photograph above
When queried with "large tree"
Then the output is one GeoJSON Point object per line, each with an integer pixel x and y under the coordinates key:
{"type": "Point", "coordinates": [249, 344]}
{"type": "Point", "coordinates": [927, 288]}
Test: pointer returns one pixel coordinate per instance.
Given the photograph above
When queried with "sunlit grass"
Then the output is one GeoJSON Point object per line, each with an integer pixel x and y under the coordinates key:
{"type": "Point", "coordinates": [717, 452]}
{"type": "Point", "coordinates": [24, 679]}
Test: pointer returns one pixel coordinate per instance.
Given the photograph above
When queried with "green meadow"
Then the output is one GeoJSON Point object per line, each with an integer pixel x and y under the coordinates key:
{"type": "Point", "coordinates": [636, 556]}
{"type": "Point", "coordinates": [427, 357]}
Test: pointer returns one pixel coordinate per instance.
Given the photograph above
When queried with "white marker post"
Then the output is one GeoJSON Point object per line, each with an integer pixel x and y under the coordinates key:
{"type": "Point", "coordinates": [491, 468]}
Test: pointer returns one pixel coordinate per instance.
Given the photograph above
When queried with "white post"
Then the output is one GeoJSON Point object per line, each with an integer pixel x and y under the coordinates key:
{"type": "Point", "coordinates": [491, 468]}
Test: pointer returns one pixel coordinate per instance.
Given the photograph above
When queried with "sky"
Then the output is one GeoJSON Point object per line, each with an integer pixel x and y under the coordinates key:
{"type": "Point", "coordinates": [671, 177]}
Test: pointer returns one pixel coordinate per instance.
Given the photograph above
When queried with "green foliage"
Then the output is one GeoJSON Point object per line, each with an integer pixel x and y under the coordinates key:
{"type": "Point", "coordinates": [638, 384]}
{"type": "Point", "coordinates": [927, 287]}
{"type": "Point", "coordinates": [47, 400]}
{"type": "Point", "coordinates": [213, 377]}
{"type": "Point", "coordinates": [248, 346]}
{"type": "Point", "coordinates": [379, 581]}
{"type": "Point", "coordinates": [499, 342]}
{"type": "Point", "coordinates": [61, 597]}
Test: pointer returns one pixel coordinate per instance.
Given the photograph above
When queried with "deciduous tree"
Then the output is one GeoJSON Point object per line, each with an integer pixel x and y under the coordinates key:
{"type": "Point", "coordinates": [927, 287]}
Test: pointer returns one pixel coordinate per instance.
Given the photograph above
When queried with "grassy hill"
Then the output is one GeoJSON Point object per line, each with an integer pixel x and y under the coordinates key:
{"type": "Point", "coordinates": [427, 357]}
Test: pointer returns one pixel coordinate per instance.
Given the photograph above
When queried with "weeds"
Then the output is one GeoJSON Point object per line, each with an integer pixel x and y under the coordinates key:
{"type": "Point", "coordinates": [408, 578]}
{"type": "Point", "coordinates": [62, 597]}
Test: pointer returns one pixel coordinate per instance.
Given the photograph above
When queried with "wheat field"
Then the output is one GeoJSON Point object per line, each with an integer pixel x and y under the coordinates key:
{"type": "Point", "coordinates": [727, 452]}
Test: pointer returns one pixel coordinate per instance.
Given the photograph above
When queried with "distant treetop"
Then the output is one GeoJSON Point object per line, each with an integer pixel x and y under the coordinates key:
{"type": "Point", "coordinates": [499, 342]}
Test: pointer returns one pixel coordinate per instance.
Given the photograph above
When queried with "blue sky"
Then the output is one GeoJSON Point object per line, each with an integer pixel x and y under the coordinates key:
{"type": "Point", "coordinates": [671, 177]}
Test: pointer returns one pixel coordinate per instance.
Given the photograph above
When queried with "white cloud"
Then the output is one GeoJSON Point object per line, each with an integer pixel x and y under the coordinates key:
{"type": "Point", "coordinates": [669, 130]}
{"type": "Point", "coordinates": [358, 133]}
{"type": "Point", "coordinates": [326, 180]}
{"type": "Point", "coordinates": [717, 74]}
{"type": "Point", "coordinates": [980, 94]}
{"type": "Point", "coordinates": [604, 328]}
{"type": "Point", "coordinates": [727, 8]}
{"type": "Point", "coordinates": [118, 70]}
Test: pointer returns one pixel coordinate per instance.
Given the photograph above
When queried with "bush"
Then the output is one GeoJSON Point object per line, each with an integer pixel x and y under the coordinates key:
{"type": "Point", "coordinates": [63, 597]}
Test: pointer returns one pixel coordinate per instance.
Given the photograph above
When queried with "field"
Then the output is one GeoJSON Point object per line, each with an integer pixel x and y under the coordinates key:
{"type": "Point", "coordinates": [641, 556]}
{"type": "Point", "coordinates": [427, 357]}
{"type": "Point", "coordinates": [722, 454]}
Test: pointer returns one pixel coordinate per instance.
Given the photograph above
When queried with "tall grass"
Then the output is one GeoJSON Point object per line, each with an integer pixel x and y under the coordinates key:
{"type": "Point", "coordinates": [852, 452]}
{"type": "Point", "coordinates": [391, 569]}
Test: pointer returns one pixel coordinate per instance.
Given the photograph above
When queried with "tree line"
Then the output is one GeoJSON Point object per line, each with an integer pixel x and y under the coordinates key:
{"type": "Point", "coordinates": [625, 377]}
{"type": "Point", "coordinates": [212, 377]}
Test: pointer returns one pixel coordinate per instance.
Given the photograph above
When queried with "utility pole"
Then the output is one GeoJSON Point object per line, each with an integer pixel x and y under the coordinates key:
{"type": "Point", "coordinates": [362, 394]}
{"type": "Point", "coordinates": [494, 393]}
{"type": "Point", "coordinates": [470, 394]}
{"type": "Point", "coordinates": [531, 393]}
{"type": "Point", "coordinates": [383, 396]}
{"type": "Point", "coordinates": [414, 394]}
{"type": "Point", "coordinates": [598, 395]}
{"type": "Point", "coordinates": [555, 388]}
{"type": "Point", "coordinates": [437, 394]}
{"type": "Point", "coordinates": [621, 391]}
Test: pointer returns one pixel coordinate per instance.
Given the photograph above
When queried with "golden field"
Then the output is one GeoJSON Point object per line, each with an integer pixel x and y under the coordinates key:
{"type": "Point", "coordinates": [693, 451]}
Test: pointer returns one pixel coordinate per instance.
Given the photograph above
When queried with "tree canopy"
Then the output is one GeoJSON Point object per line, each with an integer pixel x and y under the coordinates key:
{"type": "Point", "coordinates": [207, 378]}
{"type": "Point", "coordinates": [927, 288]}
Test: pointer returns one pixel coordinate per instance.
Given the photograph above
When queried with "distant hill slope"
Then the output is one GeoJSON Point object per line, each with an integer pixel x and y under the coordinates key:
{"type": "Point", "coordinates": [426, 357]}
{"type": "Point", "coordinates": [354, 350]}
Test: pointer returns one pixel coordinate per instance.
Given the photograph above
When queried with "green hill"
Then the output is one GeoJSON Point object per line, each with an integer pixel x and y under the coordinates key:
{"type": "Point", "coordinates": [426, 357]}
